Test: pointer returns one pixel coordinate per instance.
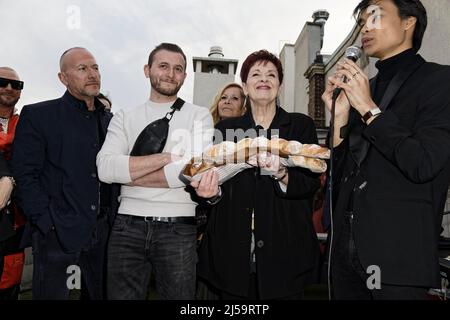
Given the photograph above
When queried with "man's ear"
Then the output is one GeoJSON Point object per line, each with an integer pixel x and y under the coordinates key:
{"type": "Point", "coordinates": [147, 71]}
{"type": "Point", "coordinates": [410, 23]}
{"type": "Point", "coordinates": [62, 77]}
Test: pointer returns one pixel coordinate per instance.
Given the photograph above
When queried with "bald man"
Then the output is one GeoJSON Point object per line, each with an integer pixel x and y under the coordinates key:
{"type": "Point", "coordinates": [10, 90]}
{"type": "Point", "coordinates": [67, 207]}
{"type": "Point", "coordinates": [11, 218]}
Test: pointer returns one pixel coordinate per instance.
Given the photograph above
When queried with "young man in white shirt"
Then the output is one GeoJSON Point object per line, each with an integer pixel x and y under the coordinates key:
{"type": "Point", "coordinates": [155, 229]}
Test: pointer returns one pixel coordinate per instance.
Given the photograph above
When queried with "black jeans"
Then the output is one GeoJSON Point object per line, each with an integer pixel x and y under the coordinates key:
{"type": "Point", "coordinates": [349, 279]}
{"type": "Point", "coordinates": [52, 267]}
{"type": "Point", "coordinates": [138, 247]}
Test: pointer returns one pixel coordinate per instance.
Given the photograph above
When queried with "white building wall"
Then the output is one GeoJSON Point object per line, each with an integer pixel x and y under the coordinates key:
{"type": "Point", "coordinates": [207, 85]}
{"type": "Point", "coordinates": [436, 43]}
{"type": "Point", "coordinates": [306, 48]}
{"type": "Point", "coordinates": [287, 90]}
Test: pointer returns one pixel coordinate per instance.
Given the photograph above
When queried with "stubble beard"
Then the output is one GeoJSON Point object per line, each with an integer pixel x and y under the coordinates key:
{"type": "Point", "coordinates": [91, 93]}
{"type": "Point", "coordinates": [8, 101]}
{"type": "Point", "coordinates": [156, 85]}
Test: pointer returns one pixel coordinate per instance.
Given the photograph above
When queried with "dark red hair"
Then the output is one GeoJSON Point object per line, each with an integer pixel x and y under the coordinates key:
{"type": "Point", "coordinates": [263, 56]}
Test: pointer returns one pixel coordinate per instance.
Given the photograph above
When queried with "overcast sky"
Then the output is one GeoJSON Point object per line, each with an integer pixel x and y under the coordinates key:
{"type": "Point", "coordinates": [121, 34]}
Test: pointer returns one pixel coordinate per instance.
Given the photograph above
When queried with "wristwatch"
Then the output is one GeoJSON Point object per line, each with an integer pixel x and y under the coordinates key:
{"type": "Point", "coordinates": [371, 113]}
{"type": "Point", "coordinates": [214, 200]}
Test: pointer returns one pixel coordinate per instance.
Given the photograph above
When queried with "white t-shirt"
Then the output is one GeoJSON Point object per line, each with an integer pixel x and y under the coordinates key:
{"type": "Point", "coordinates": [190, 132]}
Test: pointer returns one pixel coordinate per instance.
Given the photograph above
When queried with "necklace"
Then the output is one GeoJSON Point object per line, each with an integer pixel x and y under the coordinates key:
{"type": "Point", "coordinates": [4, 124]}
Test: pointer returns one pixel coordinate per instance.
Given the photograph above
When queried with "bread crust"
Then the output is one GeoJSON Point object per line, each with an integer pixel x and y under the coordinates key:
{"type": "Point", "coordinates": [313, 164]}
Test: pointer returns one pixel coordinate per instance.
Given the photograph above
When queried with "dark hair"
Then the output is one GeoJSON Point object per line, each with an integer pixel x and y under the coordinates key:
{"type": "Point", "coordinates": [406, 8]}
{"type": "Point", "coordinates": [169, 47]}
{"type": "Point", "coordinates": [102, 96]}
{"type": "Point", "coordinates": [263, 56]}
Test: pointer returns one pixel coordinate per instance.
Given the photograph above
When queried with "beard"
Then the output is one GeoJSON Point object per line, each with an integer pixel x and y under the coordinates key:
{"type": "Point", "coordinates": [90, 93]}
{"type": "Point", "coordinates": [91, 90]}
{"type": "Point", "coordinates": [8, 100]}
{"type": "Point", "coordinates": [157, 85]}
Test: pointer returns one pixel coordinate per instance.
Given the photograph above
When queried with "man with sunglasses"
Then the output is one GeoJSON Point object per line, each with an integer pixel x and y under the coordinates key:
{"type": "Point", "coordinates": [10, 87]}
{"type": "Point", "coordinates": [67, 207]}
{"type": "Point", "coordinates": [11, 218]}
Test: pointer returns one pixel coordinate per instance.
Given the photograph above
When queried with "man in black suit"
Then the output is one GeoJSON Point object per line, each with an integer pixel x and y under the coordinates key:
{"type": "Point", "coordinates": [53, 162]}
{"type": "Point", "coordinates": [391, 164]}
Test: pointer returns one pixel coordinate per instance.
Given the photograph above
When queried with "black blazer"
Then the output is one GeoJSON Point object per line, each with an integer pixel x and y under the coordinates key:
{"type": "Point", "coordinates": [53, 162]}
{"type": "Point", "coordinates": [400, 187]}
{"type": "Point", "coordinates": [286, 243]}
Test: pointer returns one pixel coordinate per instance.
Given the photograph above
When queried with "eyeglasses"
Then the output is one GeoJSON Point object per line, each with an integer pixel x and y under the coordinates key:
{"type": "Point", "coordinates": [15, 84]}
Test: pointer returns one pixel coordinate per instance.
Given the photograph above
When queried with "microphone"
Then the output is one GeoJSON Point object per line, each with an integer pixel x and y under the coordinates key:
{"type": "Point", "coordinates": [353, 53]}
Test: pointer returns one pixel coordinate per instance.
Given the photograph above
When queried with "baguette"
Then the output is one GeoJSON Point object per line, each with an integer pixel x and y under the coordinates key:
{"type": "Point", "coordinates": [260, 143]}
{"type": "Point", "coordinates": [244, 150]}
{"type": "Point", "coordinates": [221, 153]}
{"type": "Point", "coordinates": [193, 168]}
{"type": "Point", "coordinates": [292, 148]}
{"type": "Point", "coordinates": [240, 152]}
{"type": "Point", "coordinates": [279, 147]}
{"type": "Point", "coordinates": [315, 151]}
{"type": "Point", "coordinates": [313, 164]}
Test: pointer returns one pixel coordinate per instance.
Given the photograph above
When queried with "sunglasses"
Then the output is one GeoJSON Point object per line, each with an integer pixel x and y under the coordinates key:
{"type": "Point", "coordinates": [15, 84]}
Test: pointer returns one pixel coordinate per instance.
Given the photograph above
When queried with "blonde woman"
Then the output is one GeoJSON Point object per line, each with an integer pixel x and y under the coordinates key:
{"type": "Point", "coordinates": [228, 103]}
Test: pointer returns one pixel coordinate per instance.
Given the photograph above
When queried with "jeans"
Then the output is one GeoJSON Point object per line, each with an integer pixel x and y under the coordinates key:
{"type": "Point", "coordinates": [138, 247]}
{"type": "Point", "coordinates": [51, 277]}
{"type": "Point", "coordinates": [349, 279]}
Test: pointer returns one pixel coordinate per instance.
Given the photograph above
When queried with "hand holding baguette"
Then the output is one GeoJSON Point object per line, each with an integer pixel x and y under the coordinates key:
{"type": "Point", "coordinates": [208, 186]}
{"type": "Point", "coordinates": [309, 156]}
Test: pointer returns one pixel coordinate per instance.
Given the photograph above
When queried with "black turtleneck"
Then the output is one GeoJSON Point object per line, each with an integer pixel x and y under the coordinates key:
{"type": "Point", "coordinates": [387, 69]}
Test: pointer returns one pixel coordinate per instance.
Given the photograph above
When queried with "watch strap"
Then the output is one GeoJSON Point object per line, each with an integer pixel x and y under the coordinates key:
{"type": "Point", "coordinates": [369, 114]}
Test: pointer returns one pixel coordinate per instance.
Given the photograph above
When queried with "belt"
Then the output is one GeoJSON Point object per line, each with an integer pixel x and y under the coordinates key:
{"type": "Point", "coordinates": [182, 220]}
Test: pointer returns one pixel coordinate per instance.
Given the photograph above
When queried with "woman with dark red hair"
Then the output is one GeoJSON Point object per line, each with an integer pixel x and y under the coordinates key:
{"type": "Point", "coordinates": [260, 241]}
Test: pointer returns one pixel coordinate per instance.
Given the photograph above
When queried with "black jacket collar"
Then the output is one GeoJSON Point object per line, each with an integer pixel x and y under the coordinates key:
{"type": "Point", "coordinates": [81, 105]}
{"type": "Point", "coordinates": [281, 119]}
